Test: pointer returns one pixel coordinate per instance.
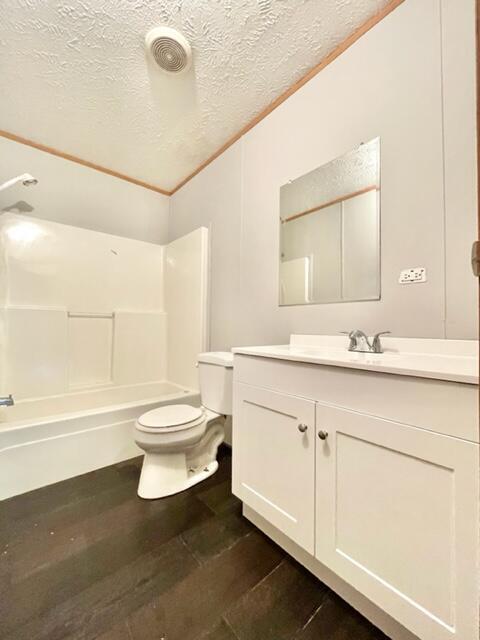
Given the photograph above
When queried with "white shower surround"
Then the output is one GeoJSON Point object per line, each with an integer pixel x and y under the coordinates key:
{"type": "Point", "coordinates": [85, 333]}
{"type": "Point", "coordinates": [83, 61]}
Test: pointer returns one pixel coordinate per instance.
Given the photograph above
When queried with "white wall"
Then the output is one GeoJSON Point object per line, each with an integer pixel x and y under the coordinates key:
{"type": "Point", "coordinates": [458, 22]}
{"type": "Point", "coordinates": [388, 84]}
{"type": "Point", "coordinates": [72, 194]}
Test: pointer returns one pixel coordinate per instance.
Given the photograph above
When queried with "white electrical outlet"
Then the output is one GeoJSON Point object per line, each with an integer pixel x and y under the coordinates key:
{"type": "Point", "coordinates": [413, 276]}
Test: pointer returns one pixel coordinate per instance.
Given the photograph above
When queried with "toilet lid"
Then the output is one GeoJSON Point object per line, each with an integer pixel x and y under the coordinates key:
{"type": "Point", "coordinates": [171, 415]}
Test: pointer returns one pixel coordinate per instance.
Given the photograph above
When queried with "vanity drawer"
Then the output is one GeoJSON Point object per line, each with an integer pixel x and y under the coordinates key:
{"type": "Point", "coordinates": [450, 408]}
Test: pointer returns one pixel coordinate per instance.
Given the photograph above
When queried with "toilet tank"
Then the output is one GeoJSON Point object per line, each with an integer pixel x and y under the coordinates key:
{"type": "Point", "coordinates": [215, 371]}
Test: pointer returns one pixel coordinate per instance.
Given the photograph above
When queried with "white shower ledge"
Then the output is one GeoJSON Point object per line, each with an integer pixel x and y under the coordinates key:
{"type": "Point", "coordinates": [454, 360]}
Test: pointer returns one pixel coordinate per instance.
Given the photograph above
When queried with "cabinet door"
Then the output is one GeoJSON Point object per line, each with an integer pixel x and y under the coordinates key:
{"type": "Point", "coordinates": [274, 459]}
{"type": "Point", "coordinates": [397, 518]}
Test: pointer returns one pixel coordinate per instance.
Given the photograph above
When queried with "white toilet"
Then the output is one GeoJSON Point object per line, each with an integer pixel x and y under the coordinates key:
{"type": "Point", "coordinates": [181, 441]}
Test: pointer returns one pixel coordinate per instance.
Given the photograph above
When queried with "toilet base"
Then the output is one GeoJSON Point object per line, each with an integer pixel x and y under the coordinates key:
{"type": "Point", "coordinates": [164, 474]}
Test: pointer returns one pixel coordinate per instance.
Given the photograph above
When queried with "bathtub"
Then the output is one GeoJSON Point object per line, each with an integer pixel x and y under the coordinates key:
{"type": "Point", "coordinates": [49, 439]}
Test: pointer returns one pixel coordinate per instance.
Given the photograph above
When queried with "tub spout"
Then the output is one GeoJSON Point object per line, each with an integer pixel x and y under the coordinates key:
{"type": "Point", "coordinates": [7, 401]}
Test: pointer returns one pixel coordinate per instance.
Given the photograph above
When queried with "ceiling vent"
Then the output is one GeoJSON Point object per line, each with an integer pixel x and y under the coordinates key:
{"type": "Point", "coordinates": [170, 50]}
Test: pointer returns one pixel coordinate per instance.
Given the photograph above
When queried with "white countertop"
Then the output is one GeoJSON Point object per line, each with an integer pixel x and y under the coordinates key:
{"type": "Point", "coordinates": [453, 360]}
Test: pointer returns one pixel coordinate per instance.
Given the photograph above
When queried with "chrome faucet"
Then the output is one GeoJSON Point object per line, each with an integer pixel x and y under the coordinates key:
{"type": "Point", "coordinates": [6, 401]}
{"type": "Point", "coordinates": [360, 343]}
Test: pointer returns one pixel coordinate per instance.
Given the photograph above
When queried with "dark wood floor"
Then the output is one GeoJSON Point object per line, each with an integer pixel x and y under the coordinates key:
{"type": "Point", "coordinates": [86, 558]}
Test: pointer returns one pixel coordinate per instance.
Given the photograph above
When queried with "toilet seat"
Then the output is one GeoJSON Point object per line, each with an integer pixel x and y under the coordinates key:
{"type": "Point", "coordinates": [172, 417]}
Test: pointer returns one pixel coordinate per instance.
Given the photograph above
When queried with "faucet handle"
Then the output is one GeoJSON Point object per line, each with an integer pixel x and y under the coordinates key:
{"type": "Point", "coordinates": [376, 344]}
{"type": "Point", "coordinates": [352, 335]}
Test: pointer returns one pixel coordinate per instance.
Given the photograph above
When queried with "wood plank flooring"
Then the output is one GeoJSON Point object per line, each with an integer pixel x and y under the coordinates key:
{"type": "Point", "coordinates": [86, 559]}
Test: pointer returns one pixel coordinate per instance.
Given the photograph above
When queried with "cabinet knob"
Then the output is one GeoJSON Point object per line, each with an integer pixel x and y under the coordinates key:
{"type": "Point", "coordinates": [302, 428]}
{"type": "Point", "coordinates": [323, 435]}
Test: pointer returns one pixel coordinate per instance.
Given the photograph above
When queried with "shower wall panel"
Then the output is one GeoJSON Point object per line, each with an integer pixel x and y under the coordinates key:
{"type": "Point", "coordinates": [186, 296]}
{"type": "Point", "coordinates": [139, 347]}
{"type": "Point", "coordinates": [81, 309]}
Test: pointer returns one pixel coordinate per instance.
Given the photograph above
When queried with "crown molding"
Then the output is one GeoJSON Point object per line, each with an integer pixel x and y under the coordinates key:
{"type": "Point", "coordinates": [85, 163]}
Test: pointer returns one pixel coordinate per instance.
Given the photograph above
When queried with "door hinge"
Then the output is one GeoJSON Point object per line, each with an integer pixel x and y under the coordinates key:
{"type": "Point", "coordinates": [476, 258]}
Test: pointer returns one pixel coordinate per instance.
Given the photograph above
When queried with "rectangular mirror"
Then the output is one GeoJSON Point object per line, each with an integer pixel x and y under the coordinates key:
{"type": "Point", "coordinates": [330, 231]}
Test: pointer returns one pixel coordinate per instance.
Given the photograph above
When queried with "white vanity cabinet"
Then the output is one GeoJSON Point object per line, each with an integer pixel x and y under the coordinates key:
{"type": "Point", "coordinates": [396, 519]}
{"type": "Point", "coordinates": [274, 469]}
{"type": "Point", "coordinates": [388, 507]}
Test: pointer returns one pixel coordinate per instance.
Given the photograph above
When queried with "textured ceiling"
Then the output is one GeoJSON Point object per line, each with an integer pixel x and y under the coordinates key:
{"type": "Point", "coordinates": [74, 74]}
